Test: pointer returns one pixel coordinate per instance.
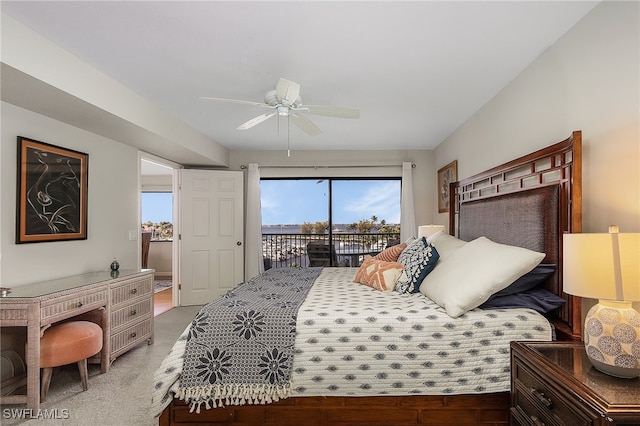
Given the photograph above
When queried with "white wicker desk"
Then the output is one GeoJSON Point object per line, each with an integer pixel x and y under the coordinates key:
{"type": "Point", "coordinates": [37, 306]}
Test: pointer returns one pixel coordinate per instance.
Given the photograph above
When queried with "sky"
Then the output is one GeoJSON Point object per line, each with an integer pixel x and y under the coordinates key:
{"type": "Point", "coordinates": [290, 201]}
{"type": "Point", "coordinates": [157, 207]}
{"type": "Point", "coordinates": [297, 201]}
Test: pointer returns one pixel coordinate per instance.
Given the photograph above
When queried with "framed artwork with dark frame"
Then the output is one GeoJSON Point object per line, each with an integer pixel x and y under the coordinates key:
{"type": "Point", "coordinates": [52, 193]}
{"type": "Point", "coordinates": [446, 175]}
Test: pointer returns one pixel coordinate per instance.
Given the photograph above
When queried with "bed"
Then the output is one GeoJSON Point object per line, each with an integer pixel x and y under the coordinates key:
{"type": "Point", "coordinates": [440, 366]}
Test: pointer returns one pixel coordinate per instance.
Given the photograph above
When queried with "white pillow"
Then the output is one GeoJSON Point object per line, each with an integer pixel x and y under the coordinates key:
{"type": "Point", "coordinates": [445, 244]}
{"type": "Point", "coordinates": [475, 271]}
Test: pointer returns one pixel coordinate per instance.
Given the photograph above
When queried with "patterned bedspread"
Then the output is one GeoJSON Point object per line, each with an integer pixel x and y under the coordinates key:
{"type": "Point", "coordinates": [239, 348]}
{"type": "Point", "coordinates": [354, 340]}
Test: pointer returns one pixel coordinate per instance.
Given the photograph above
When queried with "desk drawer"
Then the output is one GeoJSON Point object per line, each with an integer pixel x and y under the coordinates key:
{"type": "Point", "coordinates": [131, 313]}
{"type": "Point", "coordinates": [130, 289]}
{"type": "Point", "coordinates": [64, 307]}
{"type": "Point", "coordinates": [131, 336]}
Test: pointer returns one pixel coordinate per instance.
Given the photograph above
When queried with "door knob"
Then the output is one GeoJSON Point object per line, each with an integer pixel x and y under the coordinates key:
{"type": "Point", "coordinates": [239, 243]}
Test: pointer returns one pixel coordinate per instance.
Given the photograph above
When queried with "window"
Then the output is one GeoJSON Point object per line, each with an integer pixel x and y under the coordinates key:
{"type": "Point", "coordinates": [157, 214]}
{"type": "Point", "coordinates": [353, 216]}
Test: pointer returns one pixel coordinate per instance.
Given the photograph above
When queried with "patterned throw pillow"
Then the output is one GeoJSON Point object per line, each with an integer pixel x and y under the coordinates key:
{"type": "Point", "coordinates": [412, 245]}
{"type": "Point", "coordinates": [419, 258]}
{"type": "Point", "coordinates": [378, 274]}
{"type": "Point", "coordinates": [391, 254]}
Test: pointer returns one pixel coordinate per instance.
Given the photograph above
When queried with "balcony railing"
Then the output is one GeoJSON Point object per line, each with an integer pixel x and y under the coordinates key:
{"type": "Point", "coordinates": [283, 250]}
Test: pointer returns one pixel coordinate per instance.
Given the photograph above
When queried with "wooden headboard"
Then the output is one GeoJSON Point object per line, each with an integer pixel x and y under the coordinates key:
{"type": "Point", "coordinates": [528, 202]}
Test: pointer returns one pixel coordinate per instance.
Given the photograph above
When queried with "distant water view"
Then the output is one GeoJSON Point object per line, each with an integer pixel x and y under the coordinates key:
{"type": "Point", "coordinates": [280, 229]}
{"type": "Point", "coordinates": [285, 245]}
{"type": "Point", "coordinates": [295, 229]}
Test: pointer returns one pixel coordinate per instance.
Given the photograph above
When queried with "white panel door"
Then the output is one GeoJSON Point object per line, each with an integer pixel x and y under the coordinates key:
{"type": "Point", "coordinates": [211, 234]}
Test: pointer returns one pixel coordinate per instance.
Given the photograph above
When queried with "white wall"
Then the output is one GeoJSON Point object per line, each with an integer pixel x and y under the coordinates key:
{"type": "Point", "coordinates": [160, 259]}
{"type": "Point", "coordinates": [423, 174]}
{"type": "Point", "coordinates": [113, 199]}
{"type": "Point", "coordinates": [590, 81]}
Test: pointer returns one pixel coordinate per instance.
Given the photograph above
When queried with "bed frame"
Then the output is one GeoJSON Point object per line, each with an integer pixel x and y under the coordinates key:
{"type": "Point", "coordinates": [530, 202]}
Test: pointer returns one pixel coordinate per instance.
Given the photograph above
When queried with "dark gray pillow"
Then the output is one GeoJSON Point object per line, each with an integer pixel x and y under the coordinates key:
{"type": "Point", "coordinates": [538, 299]}
{"type": "Point", "coordinates": [528, 281]}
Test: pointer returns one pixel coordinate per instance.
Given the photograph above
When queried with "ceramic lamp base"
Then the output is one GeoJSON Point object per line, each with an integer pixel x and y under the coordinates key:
{"type": "Point", "coordinates": [612, 338]}
{"type": "Point", "coordinates": [615, 371]}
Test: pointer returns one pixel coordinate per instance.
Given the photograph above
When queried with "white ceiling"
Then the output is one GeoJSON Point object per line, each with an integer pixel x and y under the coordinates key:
{"type": "Point", "coordinates": [150, 168]}
{"type": "Point", "coordinates": [416, 70]}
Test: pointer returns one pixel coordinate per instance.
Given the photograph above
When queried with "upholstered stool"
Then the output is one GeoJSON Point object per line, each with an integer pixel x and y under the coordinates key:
{"type": "Point", "coordinates": [65, 343]}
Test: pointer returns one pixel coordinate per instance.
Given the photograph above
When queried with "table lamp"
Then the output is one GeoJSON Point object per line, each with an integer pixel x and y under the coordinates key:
{"type": "Point", "coordinates": [428, 230]}
{"type": "Point", "coordinates": [607, 267]}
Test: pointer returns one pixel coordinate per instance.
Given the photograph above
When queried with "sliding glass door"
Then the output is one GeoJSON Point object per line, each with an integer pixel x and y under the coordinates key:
{"type": "Point", "coordinates": [365, 217]}
{"type": "Point", "coordinates": [347, 218]}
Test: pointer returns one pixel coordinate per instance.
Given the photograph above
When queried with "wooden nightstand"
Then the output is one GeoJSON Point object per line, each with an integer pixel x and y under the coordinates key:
{"type": "Point", "coordinates": [553, 383]}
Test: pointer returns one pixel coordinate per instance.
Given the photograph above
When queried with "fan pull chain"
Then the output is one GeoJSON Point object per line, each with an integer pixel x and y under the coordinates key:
{"type": "Point", "coordinates": [288, 136]}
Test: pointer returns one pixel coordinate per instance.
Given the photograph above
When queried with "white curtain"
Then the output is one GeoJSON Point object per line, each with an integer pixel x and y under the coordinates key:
{"type": "Point", "coordinates": [407, 214]}
{"type": "Point", "coordinates": [254, 262]}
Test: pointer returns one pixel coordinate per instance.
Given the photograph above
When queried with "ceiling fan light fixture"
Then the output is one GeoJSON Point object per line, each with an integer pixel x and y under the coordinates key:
{"type": "Point", "coordinates": [283, 111]}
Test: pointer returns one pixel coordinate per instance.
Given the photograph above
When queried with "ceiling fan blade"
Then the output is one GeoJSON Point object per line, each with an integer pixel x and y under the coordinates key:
{"type": "Point", "coordinates": [305, 124]}
{"type": "Point", "coordinates": [256, 120]}
{"type": "Point", "coordinates": [235, 101]}
{"type": "Point", "coordinates": [332, 111]}
{"type": "Point", "coordinates": [287, 91]}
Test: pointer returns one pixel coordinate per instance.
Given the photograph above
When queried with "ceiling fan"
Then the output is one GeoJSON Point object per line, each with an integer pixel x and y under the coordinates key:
{"type": "Point", "coordinates": [285, 101]}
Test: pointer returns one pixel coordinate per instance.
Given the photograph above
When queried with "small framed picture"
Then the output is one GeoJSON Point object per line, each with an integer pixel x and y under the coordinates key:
{"type": "Point", "coordinates": [446, 175]}
{"type": "Point", "coordinates": [51, 193]}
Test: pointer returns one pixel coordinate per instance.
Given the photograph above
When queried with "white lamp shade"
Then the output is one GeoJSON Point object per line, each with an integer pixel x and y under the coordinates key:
{"type": "Point", "coordinates": [428, 230]}
{"type": "Point", "coordinates": [602, 266]}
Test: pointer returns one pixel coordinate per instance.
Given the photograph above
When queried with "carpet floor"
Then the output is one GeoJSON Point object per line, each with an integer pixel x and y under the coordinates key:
{"type": "Point", "coordinates": [121, 397]}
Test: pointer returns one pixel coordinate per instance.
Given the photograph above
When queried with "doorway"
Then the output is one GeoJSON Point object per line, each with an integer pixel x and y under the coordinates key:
{"type": "Point", "coordinates": [157, 220]}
